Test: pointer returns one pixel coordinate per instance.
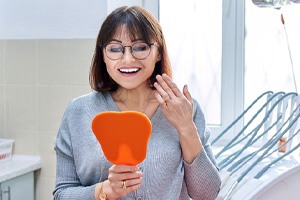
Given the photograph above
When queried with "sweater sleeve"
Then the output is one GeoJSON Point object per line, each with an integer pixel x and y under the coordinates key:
{"type": "Point", "coordinates": [68, 186]}
{"type": "Point", "coordinates": [201, 176]}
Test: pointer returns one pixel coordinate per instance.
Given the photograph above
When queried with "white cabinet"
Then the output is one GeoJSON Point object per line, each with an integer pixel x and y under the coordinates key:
{"type": "Point", "coordinates": [21, 187]}
{"type": "Point", "coordinates": [17, 177]}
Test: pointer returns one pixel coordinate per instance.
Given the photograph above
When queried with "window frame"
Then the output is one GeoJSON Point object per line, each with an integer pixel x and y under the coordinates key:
{"type": "Point", "coordinates": [232, 83]}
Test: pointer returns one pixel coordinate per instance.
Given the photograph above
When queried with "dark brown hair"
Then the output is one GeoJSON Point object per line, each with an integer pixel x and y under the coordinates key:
{"type": "Point", "coordinates": [142, 25]}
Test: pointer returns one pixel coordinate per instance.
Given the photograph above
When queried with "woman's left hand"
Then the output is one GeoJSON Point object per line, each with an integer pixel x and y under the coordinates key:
{"type": "Point", "coordinates": [177, 106]}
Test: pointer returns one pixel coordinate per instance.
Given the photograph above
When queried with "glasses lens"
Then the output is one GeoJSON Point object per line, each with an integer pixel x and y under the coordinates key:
{"type": "Point", "coordinates": [114, 51]}
{"type": "Point", "coordinates": [140, 50]}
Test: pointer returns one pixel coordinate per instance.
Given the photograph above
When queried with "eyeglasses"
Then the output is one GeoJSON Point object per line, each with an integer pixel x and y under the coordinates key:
{"type": "Point", "coordinates": [140, 50]}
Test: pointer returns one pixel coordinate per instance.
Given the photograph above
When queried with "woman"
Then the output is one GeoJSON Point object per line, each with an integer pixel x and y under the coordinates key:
{"type": "Point", "coordinates": [131, 71]}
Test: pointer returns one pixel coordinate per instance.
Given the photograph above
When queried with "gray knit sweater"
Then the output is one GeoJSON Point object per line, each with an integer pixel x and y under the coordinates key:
{"type": "Point", "coordinates": [81, 163]}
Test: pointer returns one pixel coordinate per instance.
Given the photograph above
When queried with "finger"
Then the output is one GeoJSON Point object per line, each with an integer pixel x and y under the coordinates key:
{"type": "Point", "coordinates": [126, 186]}
{"type": "Point", "coordinates": [172, 85]}
{"type": "Point", "coordinates": [163, 94]}
{"type": "Point", "coordinates": [125, 176]}
{"type": "Point", "coordinates": [187, 93]}
{"type": "Point", "coordinates": [124, 191]}
{"type": "Point", "coordinates": [165, 86]}
{"type": "Point", "coordinates": [133, 188]}
{"type": "Point", "coordinates": [123, 168]}
{"type": "Point", "coordinates": [162, 103]}
{"type": "Point", "coordinates": [124, 180]}
{"type": "Point", "coordinates": [115, 176]}
{"type": "Point", "coordinates": [132, 182]}
{"type": "Point", "coordinates": [160, 100]}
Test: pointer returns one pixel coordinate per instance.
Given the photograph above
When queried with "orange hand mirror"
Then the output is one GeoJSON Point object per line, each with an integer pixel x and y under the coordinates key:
{"type": "Point", "coordinates": [123, 136]}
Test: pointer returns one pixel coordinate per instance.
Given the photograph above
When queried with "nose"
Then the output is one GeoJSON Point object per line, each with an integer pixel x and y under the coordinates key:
{"type": "Point", "coordinates": [127, 53]}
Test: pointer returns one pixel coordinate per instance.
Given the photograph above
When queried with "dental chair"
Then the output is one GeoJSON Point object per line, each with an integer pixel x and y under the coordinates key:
{"type": "Point", "coordinates": [262, 160]}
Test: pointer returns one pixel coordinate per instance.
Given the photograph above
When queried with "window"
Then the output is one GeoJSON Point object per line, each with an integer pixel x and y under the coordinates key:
{"type": "Point", "coordinates": [271, 50]}
{"type": "Point", "coordinates": [256, 53]}
{"type": "Point", "coordinates": [193, 31]}
{"type": "Point", "coordinates": [206, 44]}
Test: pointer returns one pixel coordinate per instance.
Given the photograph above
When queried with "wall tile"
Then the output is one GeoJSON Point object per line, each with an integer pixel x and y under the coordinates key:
{"type": "Point", "coordinates": [44, 188]}
{"type": "Point", "coordinates": [55, 62]}
{"type": "Point", "coordinates": [20, 60]}
{"type": "Point", "coordinates": [46, 144]}
{"type": "Point", "coordinates": [52, 101]}
{"type": "Point", "coordinates": [82, 53]}
{"type": "Point", "coordinates": [21, 108]}
{"type": "Point", "coordinates": [25, 142]}
{"type": "Point", "coordinates": [80, 90]}
{"type": "Point", "coordinates": [32, 102]}
{"type": "Point", "coordinates": [2, 62]}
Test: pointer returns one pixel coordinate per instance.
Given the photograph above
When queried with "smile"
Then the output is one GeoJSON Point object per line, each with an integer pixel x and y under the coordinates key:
{"type": "Point", "coordinates": [129, 70]}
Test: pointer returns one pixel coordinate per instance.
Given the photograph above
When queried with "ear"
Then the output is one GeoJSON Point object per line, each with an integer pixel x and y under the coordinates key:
{"type": "Point", "coordinates": [158, 58]}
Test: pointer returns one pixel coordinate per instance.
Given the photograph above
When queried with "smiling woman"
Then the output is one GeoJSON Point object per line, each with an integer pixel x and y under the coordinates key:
{"type": "Point", "coordinates": [131, 71]}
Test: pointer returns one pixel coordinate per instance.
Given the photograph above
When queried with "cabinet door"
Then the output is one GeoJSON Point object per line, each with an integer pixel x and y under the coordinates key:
{"type": "Point", "coordinates": [21, 187]}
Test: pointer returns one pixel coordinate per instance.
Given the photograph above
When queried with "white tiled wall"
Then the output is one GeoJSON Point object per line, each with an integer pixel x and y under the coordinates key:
{"type": "Point", "coordinates": [37, 79]}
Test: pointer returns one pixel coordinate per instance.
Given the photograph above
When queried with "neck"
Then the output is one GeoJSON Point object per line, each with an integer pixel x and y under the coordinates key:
{"type": "Point", "coordinates": [137, 100]}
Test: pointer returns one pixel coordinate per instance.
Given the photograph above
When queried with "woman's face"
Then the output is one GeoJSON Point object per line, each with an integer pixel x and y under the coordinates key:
{"type": "Point", "coordinates": [128, 71]}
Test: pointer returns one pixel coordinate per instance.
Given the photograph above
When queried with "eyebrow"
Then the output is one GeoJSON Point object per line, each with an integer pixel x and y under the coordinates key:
{"type": "Point", "coordinates": [116, 40]}
{"type": "Point", "coordinates": [119, 41]}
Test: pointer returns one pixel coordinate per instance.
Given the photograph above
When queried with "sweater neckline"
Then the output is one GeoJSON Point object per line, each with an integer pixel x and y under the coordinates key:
{"type": "Point", "coordinates": [113, 107]}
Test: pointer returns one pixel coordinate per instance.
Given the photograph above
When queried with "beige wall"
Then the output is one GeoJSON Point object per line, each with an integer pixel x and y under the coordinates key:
{"type": "Point", "coordinates": [37, 79]}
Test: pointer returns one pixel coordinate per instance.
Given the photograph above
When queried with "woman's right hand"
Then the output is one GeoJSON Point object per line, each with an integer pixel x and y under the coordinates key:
{"type": "Point", "coordinates": [122, 179]}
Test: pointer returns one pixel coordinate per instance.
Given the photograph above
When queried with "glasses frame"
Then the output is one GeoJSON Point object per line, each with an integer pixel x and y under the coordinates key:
{"type": "Point", "coordinates": [130, 46]}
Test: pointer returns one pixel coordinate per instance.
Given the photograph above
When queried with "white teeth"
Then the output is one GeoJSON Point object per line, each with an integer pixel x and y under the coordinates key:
{"type": "Point", "coordinates": [129, 70]}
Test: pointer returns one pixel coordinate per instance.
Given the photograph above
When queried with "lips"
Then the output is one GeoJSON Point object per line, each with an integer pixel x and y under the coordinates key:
{"type": "Point", "coordinates": [129, 70]}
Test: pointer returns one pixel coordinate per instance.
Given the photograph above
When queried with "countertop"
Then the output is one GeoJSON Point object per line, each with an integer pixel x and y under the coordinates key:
{"type": "Point", "coordinates": [19, 165]}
